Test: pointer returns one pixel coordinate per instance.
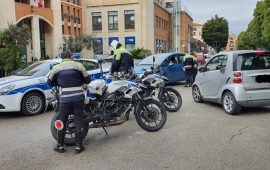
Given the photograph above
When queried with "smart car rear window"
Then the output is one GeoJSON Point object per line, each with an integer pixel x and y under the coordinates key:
{"type": "Point", "coordinates": [253, 61]}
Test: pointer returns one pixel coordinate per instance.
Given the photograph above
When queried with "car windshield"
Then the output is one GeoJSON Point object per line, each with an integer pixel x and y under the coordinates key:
{"type": "Point", "coordinates": [253, 61]}
{"type": "Point", "coordinates": [146, 61]}
{"type": "Point", "coordinates": [37, 69]}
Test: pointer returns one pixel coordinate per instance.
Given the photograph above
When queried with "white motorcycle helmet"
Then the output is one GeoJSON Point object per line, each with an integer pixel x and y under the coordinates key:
{"type": "Point", "coordinates": [97, 87]}
{"type": "Point", "coordinates": [113, 46]}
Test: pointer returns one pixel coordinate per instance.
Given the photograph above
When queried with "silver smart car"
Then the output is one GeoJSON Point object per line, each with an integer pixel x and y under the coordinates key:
{"type": "Point", "coordinates": [234, 80]}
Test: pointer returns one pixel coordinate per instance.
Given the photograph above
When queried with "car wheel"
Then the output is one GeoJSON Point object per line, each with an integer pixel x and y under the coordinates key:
{"type": "Point", "coordinates": [229, 104]}
{"type": "Point", "coordinates": [196, 93]}
{"type": "Point", "coordinates": [33, 104]}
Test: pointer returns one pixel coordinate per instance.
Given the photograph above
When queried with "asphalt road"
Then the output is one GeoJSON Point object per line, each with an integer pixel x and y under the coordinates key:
{"type": "Point", "coordinates": [199, 136]}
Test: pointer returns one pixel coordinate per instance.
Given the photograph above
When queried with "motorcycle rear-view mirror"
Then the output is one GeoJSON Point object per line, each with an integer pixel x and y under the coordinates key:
{"type": "Point", "coordinates": [52, 65]}
{"type": "Point", "coordinates": [171, 64]}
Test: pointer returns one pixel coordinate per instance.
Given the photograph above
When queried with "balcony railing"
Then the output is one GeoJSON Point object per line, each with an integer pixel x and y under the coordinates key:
{"type": "Point", "coordinates": [47, 3]}
{"type": "Point", "coordinates": [23, 10]}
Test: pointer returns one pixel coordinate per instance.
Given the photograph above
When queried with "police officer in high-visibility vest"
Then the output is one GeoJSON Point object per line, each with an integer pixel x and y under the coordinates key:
{"type": "Point", "coordinates": [123, 59]}
{"type": "Point", "coordinates": [70, 77]}
{"type": "Point", "coordinates": [189, 64]}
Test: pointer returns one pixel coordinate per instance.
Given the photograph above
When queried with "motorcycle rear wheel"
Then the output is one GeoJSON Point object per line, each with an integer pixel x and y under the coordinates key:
{"type": "Point", "coordinates": [69, 141]}
{"type": "Point", "coordinates": [158, 115]}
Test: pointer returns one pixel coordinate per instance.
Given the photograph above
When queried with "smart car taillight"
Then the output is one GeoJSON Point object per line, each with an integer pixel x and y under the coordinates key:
{"type": "Point", "coordinates": [237, 80]}
{"type": "Point", "coordinates": [237, 77]}
{"type": "Point", "coordinates": [237, 74]}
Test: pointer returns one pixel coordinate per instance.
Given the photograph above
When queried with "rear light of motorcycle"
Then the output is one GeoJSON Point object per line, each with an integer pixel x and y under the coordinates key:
{"type": "Point", "coordinates": [237, 79]}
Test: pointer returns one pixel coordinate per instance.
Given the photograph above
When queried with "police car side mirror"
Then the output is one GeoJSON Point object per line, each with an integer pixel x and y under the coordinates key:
{"type": "Point", "coordinates": [202, 69]}
{"type": "Point", "coordinates": [100, 61]}
{"type": "Point", "coordinates": [52, 65]}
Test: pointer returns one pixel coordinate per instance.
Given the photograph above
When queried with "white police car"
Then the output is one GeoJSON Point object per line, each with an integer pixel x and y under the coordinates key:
{"type": "Point", "coordinates": [27, 91]}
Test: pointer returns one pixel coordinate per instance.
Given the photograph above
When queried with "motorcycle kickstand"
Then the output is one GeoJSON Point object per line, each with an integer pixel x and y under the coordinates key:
{"type": "Point", "coordinates": [105, 130]}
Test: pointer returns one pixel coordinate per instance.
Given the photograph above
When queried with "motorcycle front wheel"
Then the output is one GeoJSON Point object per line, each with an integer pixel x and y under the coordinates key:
{"type": "Point", "coordinates": [171, 99]}
{"type": "Point", "coordinates": [153, 118]}
{"type": "Point", "coordinates": [70, 139]}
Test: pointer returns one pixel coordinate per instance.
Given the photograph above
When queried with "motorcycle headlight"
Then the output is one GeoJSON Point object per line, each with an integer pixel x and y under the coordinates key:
{"type": "Point", "coordinates": [6, 89]}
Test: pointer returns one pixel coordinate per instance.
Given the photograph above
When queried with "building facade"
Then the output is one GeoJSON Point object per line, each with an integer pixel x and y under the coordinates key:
{"type": "Point", "coordinates": [44, 19]}
{"type": "Point", "coordinates": [197, 31]}
{"type": "Point", "coordinates": [231, 45]}
{"type": "Point", "coordinates": [127, 21]}
{"type": "Point", "coordinates": [135, 23]}
{"type": "Point", "coordinates": [186, 28]}
{"type": "Point", "coordinates": [71, 14]}
{"type": "Point", "coordinates": [162, 28]}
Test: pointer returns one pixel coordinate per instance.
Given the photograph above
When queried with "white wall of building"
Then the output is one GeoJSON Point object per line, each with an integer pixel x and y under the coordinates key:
{"type": "Point", "coordinates": [121, 32]}
{"type": "Point", "coordinates": [57, 36]}
{"type": "Point", "coordinates": [7, 13]}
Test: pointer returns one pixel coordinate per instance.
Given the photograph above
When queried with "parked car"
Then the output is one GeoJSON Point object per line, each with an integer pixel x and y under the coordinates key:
{"type": "Point", "coordinates": [234, 80]}
{"type": "Point", "coordinates": [27, 91]}
{"type": "Point", "coordinates": [171, 64]}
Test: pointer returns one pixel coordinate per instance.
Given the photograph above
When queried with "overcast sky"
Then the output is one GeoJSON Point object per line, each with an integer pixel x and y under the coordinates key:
{"type": "Point", "coordinates": [237, 12]}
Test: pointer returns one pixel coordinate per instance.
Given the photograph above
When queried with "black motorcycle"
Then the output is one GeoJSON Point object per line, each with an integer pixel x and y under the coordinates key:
{"type": "Point", "coordinates": [110, 106]}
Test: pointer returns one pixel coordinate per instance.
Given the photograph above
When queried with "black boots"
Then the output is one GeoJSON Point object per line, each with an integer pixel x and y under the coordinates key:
{"type": "Point", "coordinates": [60, 142]}
{"type": "Point", "coordinates": [59, 148]}
{"type": "Point", "coordinates": [79, 143]}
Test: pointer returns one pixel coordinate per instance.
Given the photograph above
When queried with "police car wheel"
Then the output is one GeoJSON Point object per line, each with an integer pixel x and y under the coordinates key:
{"type": "Point", "coordinates": [33, 104]}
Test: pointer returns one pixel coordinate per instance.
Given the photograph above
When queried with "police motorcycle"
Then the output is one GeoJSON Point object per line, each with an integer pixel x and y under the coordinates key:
{"type": "Point", "coordinates": [109, 105]}
{"type": "Point", "coordinates": [154, 80]}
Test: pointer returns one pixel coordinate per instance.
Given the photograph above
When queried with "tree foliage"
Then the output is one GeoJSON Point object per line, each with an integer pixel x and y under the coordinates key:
{"type": "Point", "coordinates": [12, 42]}
{"type": "Point", "coordinates": [140, 53]}
{"type": "Point", "coordinates": [257, 35]}
{"type": "Point", "coordinates": [78, 43]}
{"type": "Point", "coordinates": [215, 32]}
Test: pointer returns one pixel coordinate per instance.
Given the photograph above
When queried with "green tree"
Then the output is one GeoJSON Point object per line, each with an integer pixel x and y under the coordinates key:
{"type": "Point", "coordinates": [12, 42]}
{"type": "Point", "coordinates": [266, 25]}
{"type": "Point", "coordinates": [257, 35]}
{"type": "Point", "coordinates": [215, 32]}
{"type": "Point", "coordinates": [140, 53]}
{"type": "Point", "coordinates": [78, 43]}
